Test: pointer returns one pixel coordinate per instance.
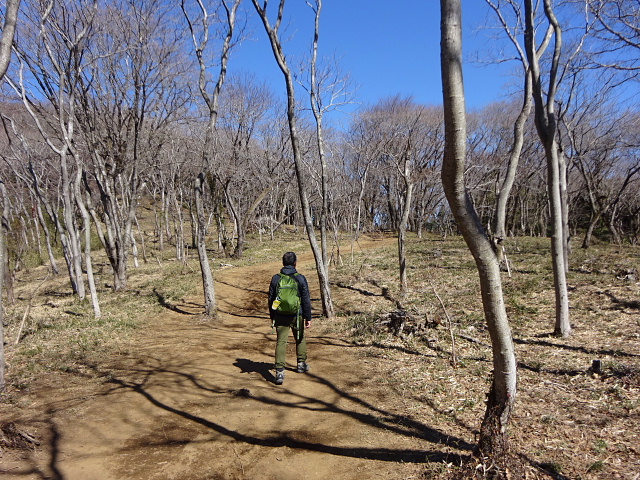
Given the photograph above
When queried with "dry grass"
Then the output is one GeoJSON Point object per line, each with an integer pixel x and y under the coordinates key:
{"type": "Point", "coordinates": [569, 422]}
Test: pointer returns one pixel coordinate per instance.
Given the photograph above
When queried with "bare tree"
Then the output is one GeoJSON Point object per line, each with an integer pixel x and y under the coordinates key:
{"type": "Point", "coordinates": [547, 126]}
{"type": "Point", "coordinates": [363, 145]}
{"type": "Point", "coordinates": [15, 156]}
{"type": "Point", "coordinates": [132, 89]}
{"type": "Point", "coordinates": [493, 434]}
{"type": "Point", "coordinates": [245, 180]}
{"type": "Point", "coordinates": [499, 226]}
{"type": "Point", "coordinates": [328, 89]}
{"type": "Point", "coordinates": [8, 31]}
{"type": "Point", "coordinates": [273, 32]}
{"type": "Point", "coordinates": [616, 31]}
{"type": "Point", "coordinates": [274, 153]}
{"type": "Point", "coordinates": [602, 144]}
{"type": "Point", "coordinates": [52, 52]}
{"type": "Point", "coordinates": [200, 33]}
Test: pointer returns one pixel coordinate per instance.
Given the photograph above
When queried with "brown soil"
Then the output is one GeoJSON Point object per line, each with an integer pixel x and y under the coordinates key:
{"type": "Point", "coordinates": [196, 400]}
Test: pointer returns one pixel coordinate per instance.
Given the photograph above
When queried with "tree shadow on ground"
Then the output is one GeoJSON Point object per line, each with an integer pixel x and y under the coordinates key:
{"type": "Point", "coordinates": [409, 351]}
{"type": "Point", "coordinates": [366, 293]}
{"type": "Point", "coordinates": [555, 371]}
{"type": "Point", "coordinates": [169, 306]}
{"type": "Point", "coordinates": [49, 471]}
{"type": "Point", "coordinates": [373, 417]}
{"type": "Point", "coordinates": [246, 289]}
{"type": "Point", "coordinates": [588, 351]}
{"type": "Point", "coordinates": [622, 304]}
{"type": "Point", "coordinates": [242, 315]}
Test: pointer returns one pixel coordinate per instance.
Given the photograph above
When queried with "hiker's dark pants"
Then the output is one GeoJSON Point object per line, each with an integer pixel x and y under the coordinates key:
{"type": "Point", "coordinates": [282, 329]}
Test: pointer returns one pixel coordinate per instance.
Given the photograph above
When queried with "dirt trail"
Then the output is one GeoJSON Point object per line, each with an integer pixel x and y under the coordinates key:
{"type": "Point", "coordinates": [196, 400]}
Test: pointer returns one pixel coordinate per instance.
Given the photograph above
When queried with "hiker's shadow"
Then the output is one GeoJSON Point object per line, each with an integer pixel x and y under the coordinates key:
{"type": "Point", "coordinates": [249, 366]}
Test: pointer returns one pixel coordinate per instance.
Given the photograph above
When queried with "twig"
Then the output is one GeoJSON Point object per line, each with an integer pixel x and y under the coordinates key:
{"type": "Point", "coordinates": [361, 266]}
{"type": "Point", "coordinates": [239, 460]}
{"type": "Point", "coordinates": [506, 260]}
{"type": "Point", "coordinates": [474, 340]}
{"type": "Point", "coordinates": [26, 312]}
{"type": "Point", "coordinates": [453, 339]}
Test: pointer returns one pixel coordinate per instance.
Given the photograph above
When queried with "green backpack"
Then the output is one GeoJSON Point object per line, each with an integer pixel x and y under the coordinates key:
{"type": "Point", "coordinates": [287, 299]}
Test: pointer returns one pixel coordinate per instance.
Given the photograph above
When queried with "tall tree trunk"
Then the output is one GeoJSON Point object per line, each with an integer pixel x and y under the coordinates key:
{"type": "Point", "coordinates": [546, 125]}
{"type": "Point", "coordinates": [8, 31]}
{"type": "Point", "coordinates": [402, 231]}
{"type": "Point", "coordinates": [4, 227]}
{"type": "Point", "coordinates": [86, 222]}
{"type": "Point", "coordinates": [205, 269]}
{"type": "Point", "coordinates": [499, 226]}
{"type": "Point", "coordinates": [493, 442]}
{"type": "Point", "coordinates": [318, 115]}
{"type": "Point", "coordinates": [301, 175]}
{"type": "Point", "coordinates": [564, 204]}
{"type": "Point", "coordinates": [200, 40]}
{"type": "Point", "coordinates": [558, 243]}
{"type": "Point", "coordinates": [68, 215]}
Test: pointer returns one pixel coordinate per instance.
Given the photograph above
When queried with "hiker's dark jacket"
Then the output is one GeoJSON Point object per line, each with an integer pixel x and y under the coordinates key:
{"type": "Point", "coordinates": [303, 290]}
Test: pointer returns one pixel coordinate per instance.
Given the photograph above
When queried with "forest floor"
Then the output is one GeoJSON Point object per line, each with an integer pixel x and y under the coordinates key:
{"type": "Point", "coordinates": [185, 398]}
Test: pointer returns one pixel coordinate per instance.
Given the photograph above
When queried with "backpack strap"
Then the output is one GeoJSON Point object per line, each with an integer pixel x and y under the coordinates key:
{"type": "Point", "coordinates": [299, 322]}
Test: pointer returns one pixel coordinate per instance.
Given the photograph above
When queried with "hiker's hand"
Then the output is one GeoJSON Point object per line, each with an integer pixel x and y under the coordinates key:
{"type": "Point", "coordinates": [307, 324]}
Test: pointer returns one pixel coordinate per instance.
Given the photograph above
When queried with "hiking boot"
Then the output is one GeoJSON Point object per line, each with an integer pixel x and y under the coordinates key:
{"type": "Point", "coordinates": [303, 367]}
{"type": "Point", "coordinates": [279, 377]}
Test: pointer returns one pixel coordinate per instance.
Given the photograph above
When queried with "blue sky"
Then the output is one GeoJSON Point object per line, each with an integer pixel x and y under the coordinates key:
{"type": "Point", "coordinates": [389, 47]}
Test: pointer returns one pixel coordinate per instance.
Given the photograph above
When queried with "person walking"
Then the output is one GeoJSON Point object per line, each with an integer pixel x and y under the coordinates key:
{"type": "Point", "coordinates": [285, 289]}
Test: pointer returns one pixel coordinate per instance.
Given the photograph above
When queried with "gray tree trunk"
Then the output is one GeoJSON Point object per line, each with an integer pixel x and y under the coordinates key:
{"type": "Point", "coordinates": [86, 222]}
{"type": "Point", "coordinates": [493, 434]}
{"type": "Point", "coordinates": [276, 47]}
{"type": "Point", "coordinates": [402, 228]}
{"type": "Point", "coordinates": [8, 31]}
{"type": "Point", "coordinates": [205, 268]}
{"type": "Point", "coordinates": [546, 125]}
{"type": "Point", "coordinates": [4, 224]}
{"type": "Point", "coordinates": [327, 302]}
{"type": "Point", "coordinates": [71, 227]}
{"type": "Point", "coordinates": [564, 204]}
{"type": "Point", "coordinates": [499, 228]}
{"type": "Point", "coordinates": [200, 40]}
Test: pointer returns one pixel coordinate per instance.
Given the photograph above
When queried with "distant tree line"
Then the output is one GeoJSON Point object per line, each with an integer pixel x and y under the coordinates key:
{"type": "Point", "coordinates": [101, 113]}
